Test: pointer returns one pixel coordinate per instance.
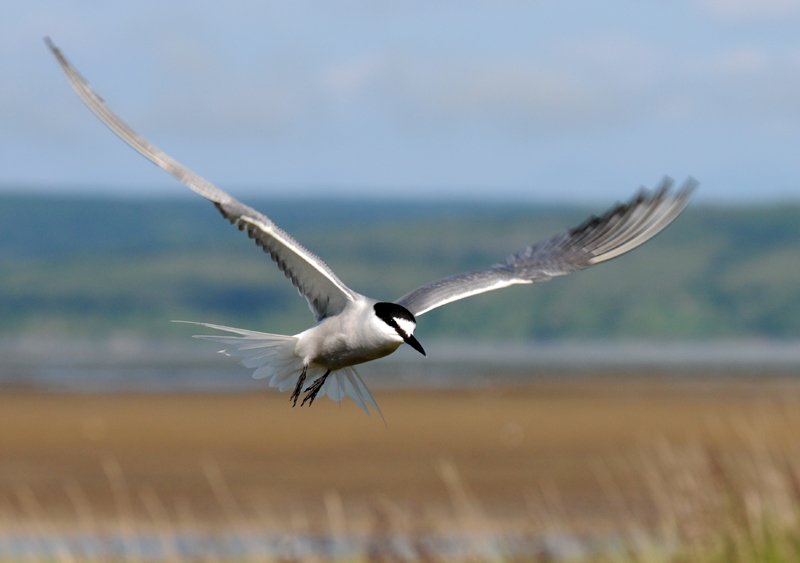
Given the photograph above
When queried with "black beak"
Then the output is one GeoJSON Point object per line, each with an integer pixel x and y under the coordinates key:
{"type": "Point", "coordinates": [414, 343]}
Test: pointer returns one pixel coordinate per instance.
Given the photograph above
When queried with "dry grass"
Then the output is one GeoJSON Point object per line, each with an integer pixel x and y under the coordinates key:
{"type": "Point", "coordinates": [636, 469]}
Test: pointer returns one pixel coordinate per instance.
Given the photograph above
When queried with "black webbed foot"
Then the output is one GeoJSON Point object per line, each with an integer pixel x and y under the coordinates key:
{"type": "Point", "coordinates": [314, 389]}
{"type": "Point", "coordinates": [299, 387]}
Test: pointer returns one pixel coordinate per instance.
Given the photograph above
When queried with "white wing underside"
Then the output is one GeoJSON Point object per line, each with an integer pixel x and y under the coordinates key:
{"type": "Point", "coordinates": [314, 280]}
{"type": "Point", "coordinates": [619, 230]}
{"type": "Point", "coordinates": [272, 356]}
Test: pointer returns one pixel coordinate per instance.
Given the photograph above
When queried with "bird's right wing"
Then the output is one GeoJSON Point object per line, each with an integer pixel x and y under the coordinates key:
{"type": "Point", "coordinates": [314, 280]}
{"type": "Point", "coordinates": [620, 229]}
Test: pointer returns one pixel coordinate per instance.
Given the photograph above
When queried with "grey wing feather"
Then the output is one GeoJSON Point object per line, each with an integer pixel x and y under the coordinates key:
{"type": "Point", "coordinates": [325, 293]}
{"type": "Point", "coordinates": [621, 229]}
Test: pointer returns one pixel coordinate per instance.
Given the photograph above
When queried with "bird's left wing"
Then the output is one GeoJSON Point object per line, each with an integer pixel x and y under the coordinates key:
{"type": "Point", "coordinates": [314, 280]}
{"type": "Point", "coordinates": [620, 229]}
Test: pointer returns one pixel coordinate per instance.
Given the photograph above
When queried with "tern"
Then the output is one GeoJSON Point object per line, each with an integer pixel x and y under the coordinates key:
{"type": "Point", "coordinates": [351, 328]}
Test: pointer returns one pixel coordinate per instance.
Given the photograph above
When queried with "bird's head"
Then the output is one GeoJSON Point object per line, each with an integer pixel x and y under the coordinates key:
{"type": "Point", "coordinates": [401, 321]}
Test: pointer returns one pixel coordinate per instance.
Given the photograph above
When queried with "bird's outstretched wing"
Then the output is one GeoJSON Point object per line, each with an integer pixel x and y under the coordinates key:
{"type": "Point", "coordinates": [325, 293]}
{"type": "Point", "coordinates": [622, 228]}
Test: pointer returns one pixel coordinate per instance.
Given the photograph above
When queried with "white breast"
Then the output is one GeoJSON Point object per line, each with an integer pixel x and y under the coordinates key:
{"type": "Point", "coordinates": [353, 337]}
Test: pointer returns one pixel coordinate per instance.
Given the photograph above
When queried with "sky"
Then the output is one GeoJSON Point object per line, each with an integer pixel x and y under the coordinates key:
{"type": "Point", "coordinates": [568, 101]}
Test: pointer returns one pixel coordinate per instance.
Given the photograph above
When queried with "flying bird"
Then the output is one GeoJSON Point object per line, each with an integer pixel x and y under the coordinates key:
{"type": "Point", "coordinates": [352, 328]}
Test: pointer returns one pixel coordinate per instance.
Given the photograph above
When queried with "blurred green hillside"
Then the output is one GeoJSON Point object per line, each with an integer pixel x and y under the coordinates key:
{"type": "Point", "coordinates": [85, 267]}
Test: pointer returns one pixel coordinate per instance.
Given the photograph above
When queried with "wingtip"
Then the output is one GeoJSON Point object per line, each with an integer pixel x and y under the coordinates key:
{"type": "Point", "coordinates": [55, 50]}
{"type": "Point", "coordinates": [667, 182]}
{"type": "Point", "coordinates": [664, 191]}
{"type": "Point", "coordinates": [689, 186]}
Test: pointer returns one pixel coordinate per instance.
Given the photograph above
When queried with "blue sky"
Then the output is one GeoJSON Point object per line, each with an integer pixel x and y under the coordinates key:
{"type": "Point", "coordinates": [548, 101]}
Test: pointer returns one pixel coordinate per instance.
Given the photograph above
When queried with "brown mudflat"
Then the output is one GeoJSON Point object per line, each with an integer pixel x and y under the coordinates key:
{"type": "Point", "coordinates": [571, 446]}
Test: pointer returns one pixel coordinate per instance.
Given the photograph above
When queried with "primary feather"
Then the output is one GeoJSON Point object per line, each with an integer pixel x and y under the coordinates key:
{"type": "Point", "coordinates": [621, 229]}
{"type": "Point", "coordinates": [314, 280]}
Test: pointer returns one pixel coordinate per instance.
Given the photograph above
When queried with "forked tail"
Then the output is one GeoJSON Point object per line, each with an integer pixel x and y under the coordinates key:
{"type": "Point", "coordinates": [273, 356]}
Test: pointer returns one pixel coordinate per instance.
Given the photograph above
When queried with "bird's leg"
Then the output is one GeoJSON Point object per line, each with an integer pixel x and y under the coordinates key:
{"type": "Point", "coordinates": [299, 387]}
{"type": "Point", "coordinates": [314, 389]}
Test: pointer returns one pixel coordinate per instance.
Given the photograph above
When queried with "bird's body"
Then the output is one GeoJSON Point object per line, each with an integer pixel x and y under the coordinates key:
{"type": "Point", "coordinates": [352, 329]}
{"type": "Point", "coordinates": [353, 337]}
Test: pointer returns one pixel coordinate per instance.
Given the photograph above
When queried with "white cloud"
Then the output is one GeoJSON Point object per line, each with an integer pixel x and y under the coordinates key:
{"type": "Point", "coordinates": [509, 93]}
{"type": "Point", "coordinates": [746, 83]}
{"type": "Point", "coordinates": [751, 9]}
{"type": "Point", "coordinates": [746, 59]}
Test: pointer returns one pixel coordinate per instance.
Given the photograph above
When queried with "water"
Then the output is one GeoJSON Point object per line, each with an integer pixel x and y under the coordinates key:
{"type": "Point", "coordinates": [136, 365]}
{"type": "Point", "coordinates": [245, 546]}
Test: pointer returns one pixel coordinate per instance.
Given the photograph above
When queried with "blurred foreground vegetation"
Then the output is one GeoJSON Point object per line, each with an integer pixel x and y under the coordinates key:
{"type": "Point", "coordinates": [83, 266]}
{"type": "Point", "coordinates": [613, 471]}
{"type": "Point", "coordinates": [705, 508]}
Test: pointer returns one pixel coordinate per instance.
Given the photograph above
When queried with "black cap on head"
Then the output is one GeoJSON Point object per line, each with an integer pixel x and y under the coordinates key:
{"type": "Point", "coordinates": [400, 319]}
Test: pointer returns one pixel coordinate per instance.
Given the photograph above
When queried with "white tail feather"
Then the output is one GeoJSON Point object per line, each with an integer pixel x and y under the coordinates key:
{"type": "Point", "coordinates": [273, 356]}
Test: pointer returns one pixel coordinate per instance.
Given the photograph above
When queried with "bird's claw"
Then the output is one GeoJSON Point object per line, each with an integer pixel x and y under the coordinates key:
{"type": "Point", "coordinates": [313, 390]}
{"type": "Point", "coordinates": [299, 387]}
